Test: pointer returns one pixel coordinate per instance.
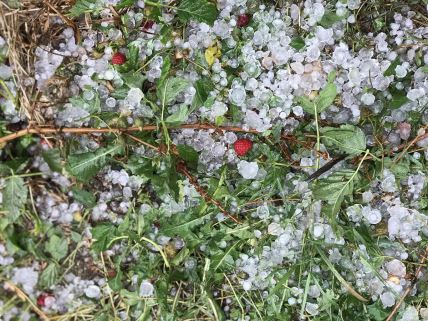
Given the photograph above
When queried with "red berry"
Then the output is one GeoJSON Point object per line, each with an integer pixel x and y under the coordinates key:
{"type": "Point", "coordinates": [43, 298]}
{"type": "Point", "coordinates": [118, 59]}
{"type": "Point", "coordinates": [242, 146]}
{"type": "Point", "coordinates": [243, 20]}
{"type": "Point", "coordinates": [148, 25]}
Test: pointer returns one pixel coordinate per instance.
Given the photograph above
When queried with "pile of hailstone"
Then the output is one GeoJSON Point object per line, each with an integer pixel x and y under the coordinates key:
{"type": "Point", "coordinates": [284, 53]}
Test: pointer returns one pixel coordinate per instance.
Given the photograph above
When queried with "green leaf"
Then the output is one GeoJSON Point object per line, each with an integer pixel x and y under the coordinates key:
{"type": "Point", "coordinates": [125, 3]}
{"type": "Point", "coordinates": [223, 261]}
{"type": "Point", "coordinates": [189, 155]}
{"type": "Point", "coordinates": [179, 116]}
{"type": "Point", "coordinates": [53, 158]}
{"type": "Point", "coordinates": [377, 313]}
{"type": "Point", "coordinates": [85, 198]}
{"type": "Point", "coordinates": [177, 227]}
{"type": "Point", "coordinates": [326, 97]}
{"type": "Point", "coordinates": [391, 69]}
{"type": "Point", "coordinates": [200, 10]}
{"type": "Point", "coordinates": [331, 76]}
{"type": "Point", "coordinates": [181, 256]}
{"type": "Point", "coordinates": [330, 19]}
{"type": "Point", "coordinates": [424, 68]}
{"type": "Point", "coordinates": [333, 189]}
{"type": "Point", "coordinates": [298, 43]}
{"type": "Point", "coordinates": [133, 56]}
{"type": "Point", "coordinates": [170, 88]}
{"type": "Point", "coordinates": [307, 105]}
{"type": "Point", "coordinates": [14, 197]}
{"type": "Point", "coordinates": [347, 138]}
{"type": "Point", "coordinates": [57, 247]}
{"type": "Point", "coordinates": [49, 276]}
{"type": "Point", "coordinates": [86, 165]}
{"type": "Point", "coordinates": [85, 6]}
{"type": "Point", "coordinates": [166, 67]}
{"type": "Point", "coordinates": [399, 98]}
{"type": "Point", "coordinates": [203, 88]}
{"type": "Point", "coordinates": [103, 234]}
{"type": "Point", "coordinates": [116, 282]}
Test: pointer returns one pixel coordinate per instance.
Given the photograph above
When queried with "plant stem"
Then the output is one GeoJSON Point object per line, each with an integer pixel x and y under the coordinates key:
{"type": "Point", "coordinates": [25, 175]}
{"type": "Point", "coordinates": [318, 137]}
{"type": "Point", "coordinates": [89, 130]}
{"type": "Point", "coordinates": [157, 247]}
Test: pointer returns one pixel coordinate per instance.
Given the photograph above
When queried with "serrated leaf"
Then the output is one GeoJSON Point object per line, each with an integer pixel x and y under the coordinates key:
{"type": "Point", "coordinates": [332, 187]}
{"type": "Point", "coordinates": [347, 138]}
{"type": "Point", "coordinates": [200, 10]}
{"type": "Point", "coordinates": [326, 97]}
{"type": "Point", "coordinates": [203, 88]}
{"type": "Point", "coordinates": [179, 116]}
{"type": "Point", "coordinates": [171, 88]}
{"type": "Point", "coordinates": [103, 234]}
{"type": "Point", "coordinates": [333, 190]}
{"type": "Point", "coordinates": [176, 227]}
{"type": "Point", "coordinates": [53, 158]}
{"type": "Point", "coordinates": [57, 247]}
{"type": "Point", "coordinates": [85, 198]}
{"type": "Point", "coordinates": [14, 197]}
{"type": "Point", "coordinates": [307, 105]}
{"type": "Point", "coordinates": [189, 155]}
{"type": "Point", "coordinates": [49, 276]}
{"type": "Point", "coordinates": [86, 165]}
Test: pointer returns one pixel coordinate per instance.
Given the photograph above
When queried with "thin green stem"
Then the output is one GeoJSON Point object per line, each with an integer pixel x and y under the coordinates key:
{"type": "Point", "coordinates": [159, 5]}
{"type": "Point", "coordinates": [157, 247]}
{"type": "Point", "coordinates": [25, 175]}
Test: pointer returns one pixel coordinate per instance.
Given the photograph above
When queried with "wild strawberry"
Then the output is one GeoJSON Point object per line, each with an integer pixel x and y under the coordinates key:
{"type": "Point", "coordinates": [118, 59]}
{"type": "Point", "coordinates": [242, 146]}
{"type": "Point", "coordinates": [148, 25]}
{"type": "Point", "coordinates": [243, 20]}
{"type": "Point", "coordinates": [45, 299]}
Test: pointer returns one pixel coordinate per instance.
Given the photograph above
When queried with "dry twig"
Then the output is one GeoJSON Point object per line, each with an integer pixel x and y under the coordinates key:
{"type": "Point", "coordinates": [85, 131]}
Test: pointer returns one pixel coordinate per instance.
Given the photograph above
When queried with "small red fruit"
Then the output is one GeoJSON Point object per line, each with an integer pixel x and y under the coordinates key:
{"type": "Point", "coordinates": [118, 59]}
{"type": "Point", "coordinates": [243, 20]}
{"type": "Point", "coordinates": [43, 299]}
{"type": "Point", "coordinates": [242, 146]}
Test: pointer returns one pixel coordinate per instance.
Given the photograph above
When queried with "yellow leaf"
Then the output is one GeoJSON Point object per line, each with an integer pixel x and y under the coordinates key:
{"type": "Point", "coordinates": [211, 53]}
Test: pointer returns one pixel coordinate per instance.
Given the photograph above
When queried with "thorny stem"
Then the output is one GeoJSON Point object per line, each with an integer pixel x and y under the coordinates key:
{"type": "Point", "coordinates": [181, 167]}
{"type": "Point", "coordinates": [87, 130]}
